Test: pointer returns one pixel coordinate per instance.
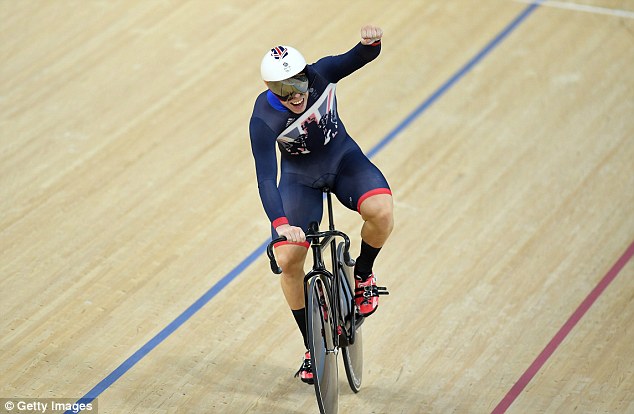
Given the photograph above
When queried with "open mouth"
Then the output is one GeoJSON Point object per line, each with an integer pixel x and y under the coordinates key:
{"type": "Point", "coordinates": [297, 102]}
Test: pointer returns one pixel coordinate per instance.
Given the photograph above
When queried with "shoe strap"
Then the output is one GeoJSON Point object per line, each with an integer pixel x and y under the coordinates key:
{"type": "Point", "coordinates": [306, 367]}
{"type": "Point", "coordinates": [366, 292]}
{"type": "Point", "coordinates": [370, 291]}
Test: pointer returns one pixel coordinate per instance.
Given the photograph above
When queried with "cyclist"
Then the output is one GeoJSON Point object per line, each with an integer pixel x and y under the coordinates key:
{"type": "Point", "coordinates": [298, 112]}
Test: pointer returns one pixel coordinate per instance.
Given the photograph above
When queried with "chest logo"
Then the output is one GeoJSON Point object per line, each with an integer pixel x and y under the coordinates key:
{"type": "Point", "coordinates": [315, 127]}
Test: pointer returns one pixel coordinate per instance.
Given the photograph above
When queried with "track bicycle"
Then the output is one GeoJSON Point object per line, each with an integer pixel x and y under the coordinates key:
{"type": "Point", "coordinates": [332, 319]}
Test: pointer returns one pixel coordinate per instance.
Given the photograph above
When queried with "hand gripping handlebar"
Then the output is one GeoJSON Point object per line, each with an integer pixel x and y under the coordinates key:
{"type": "Point", "coordinates": [321, 238]}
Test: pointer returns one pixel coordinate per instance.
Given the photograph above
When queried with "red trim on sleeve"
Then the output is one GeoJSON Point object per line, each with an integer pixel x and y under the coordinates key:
{"type": "Point", "coordinates": [305, 244]}
{"type": "Point", "coordinates": [372, 193]}
{"type": "Point", "coordinates": [376, 43]}
{"type": "Point", "coordinates": [279, 221]}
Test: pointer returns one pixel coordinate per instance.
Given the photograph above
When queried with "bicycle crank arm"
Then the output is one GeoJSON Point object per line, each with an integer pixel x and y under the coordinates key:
{"type": "Point", "coordinates": [382, 290]}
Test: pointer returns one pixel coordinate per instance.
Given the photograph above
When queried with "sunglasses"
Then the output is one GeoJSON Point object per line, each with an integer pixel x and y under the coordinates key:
{"type": "Point", "coordinates": [286, 89]}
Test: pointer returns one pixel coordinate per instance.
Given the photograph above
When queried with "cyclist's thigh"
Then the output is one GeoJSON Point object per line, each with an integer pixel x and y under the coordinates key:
{"type": "Point", "coordinates": [302, 203]}
{"type": "Point", "coordinates": [357, 179]}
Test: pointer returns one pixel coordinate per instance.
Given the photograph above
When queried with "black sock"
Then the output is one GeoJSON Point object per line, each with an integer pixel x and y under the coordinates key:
{"type": "Point", "coordinates": [365, 261]}
{"type": "Point", "coordinates": [300, 318]}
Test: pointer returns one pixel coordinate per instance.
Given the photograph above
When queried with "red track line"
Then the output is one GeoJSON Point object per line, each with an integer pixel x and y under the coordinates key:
{"type": "Point", "coordinates": [541, 359]}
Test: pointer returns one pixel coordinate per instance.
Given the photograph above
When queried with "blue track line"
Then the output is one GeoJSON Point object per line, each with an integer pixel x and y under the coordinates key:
{"type": "Point", "coordinates": [255, 254]}
{"type": "Point", "coordinates": [455, 78]}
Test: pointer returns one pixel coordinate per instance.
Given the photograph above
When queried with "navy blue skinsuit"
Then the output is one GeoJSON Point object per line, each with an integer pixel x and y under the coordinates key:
{"type": "Point", "coordinates": [316, 150]}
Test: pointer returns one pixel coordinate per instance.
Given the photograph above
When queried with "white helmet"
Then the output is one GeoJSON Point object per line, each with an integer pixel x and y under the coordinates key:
{"type": "Point", "coordinates": [281, 62]}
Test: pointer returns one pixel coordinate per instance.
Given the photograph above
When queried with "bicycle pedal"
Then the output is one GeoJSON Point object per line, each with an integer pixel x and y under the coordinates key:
{"type": "Point", "coordinates": [382, 290]}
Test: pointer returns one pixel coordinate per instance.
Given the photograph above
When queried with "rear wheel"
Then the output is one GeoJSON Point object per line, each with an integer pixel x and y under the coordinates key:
{"type": "Point", "coordinates": [353, 362]}
{"type": "Point", "coordinates": [321, 346]}
{"type": "Point", "coordinates": [351, 338]}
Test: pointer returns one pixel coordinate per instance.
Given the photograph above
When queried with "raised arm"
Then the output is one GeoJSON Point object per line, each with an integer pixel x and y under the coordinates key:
{"type": "Point", "coordinates": [335, 68]}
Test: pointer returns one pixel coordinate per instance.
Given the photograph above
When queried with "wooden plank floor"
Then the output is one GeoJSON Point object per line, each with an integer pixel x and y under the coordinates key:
{"type": "Point", "coordinates": [128, 191]}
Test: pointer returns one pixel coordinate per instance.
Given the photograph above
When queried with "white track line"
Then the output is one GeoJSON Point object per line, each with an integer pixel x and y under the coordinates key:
{"type": "Point", "coordinates": [583, 7]}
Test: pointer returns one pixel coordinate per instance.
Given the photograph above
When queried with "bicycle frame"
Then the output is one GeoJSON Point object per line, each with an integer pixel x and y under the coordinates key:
{"type": "Point", "coordinates": [332, 288]}
{"type": "Point", "coordinates": [319, 241]}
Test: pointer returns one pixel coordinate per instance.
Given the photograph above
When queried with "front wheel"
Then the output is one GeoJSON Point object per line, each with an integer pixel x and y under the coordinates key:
{"type": "Point", "coordinates": [321, 346]}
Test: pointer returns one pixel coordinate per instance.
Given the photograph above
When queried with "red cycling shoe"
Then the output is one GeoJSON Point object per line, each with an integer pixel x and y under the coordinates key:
{"type": "Point", "coordinates": [366, 295]}
{"type": "Point", "coordinates": [305, 372]}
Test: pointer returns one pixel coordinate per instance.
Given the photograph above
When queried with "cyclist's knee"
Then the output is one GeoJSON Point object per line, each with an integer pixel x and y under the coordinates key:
{"type": "Point", "coordinates": [291, 258]}
{"type": "Point", "coordinates": [379, 210]}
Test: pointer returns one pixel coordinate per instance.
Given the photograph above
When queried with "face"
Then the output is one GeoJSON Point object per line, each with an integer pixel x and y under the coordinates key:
{"type": "Point", "coordinates": [292, 92]}
{"type": "Point", "coordinates": [297, 103]}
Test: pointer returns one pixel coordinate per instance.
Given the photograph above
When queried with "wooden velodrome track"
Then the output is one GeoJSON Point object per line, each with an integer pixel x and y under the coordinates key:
{"type": "Point", "coordinates": [131, 266]}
